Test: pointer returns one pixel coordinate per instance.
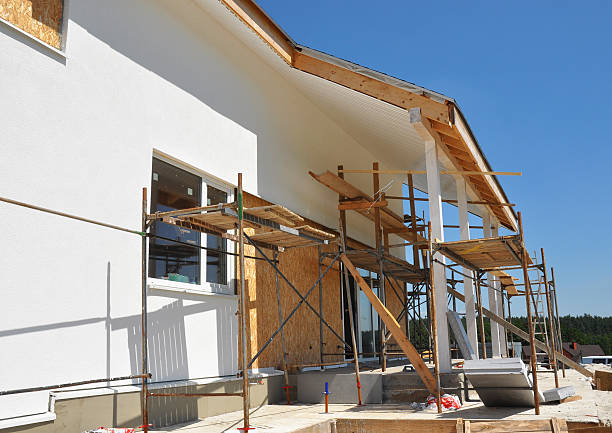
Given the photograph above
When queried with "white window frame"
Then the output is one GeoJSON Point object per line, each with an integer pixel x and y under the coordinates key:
{"type": "Point", "coordinates": [204, 287]}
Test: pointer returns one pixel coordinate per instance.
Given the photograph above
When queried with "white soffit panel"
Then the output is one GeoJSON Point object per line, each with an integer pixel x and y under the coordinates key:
{"type": "Point", "coordinates": [383, 129]}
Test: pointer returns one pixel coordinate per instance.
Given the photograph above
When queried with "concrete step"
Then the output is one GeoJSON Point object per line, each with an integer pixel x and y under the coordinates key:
{"type": "Point", "coordinates": [408, 387]}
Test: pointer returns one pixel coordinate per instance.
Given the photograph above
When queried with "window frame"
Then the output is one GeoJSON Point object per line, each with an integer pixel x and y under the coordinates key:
{"type": "Point", "coordinates": [204, 287]}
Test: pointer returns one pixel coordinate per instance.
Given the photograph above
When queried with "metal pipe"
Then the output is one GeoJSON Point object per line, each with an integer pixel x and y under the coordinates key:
{"type": "Point", "coordinates": [71, 384]}
{"type": "Point", "coordinates": [243, 310]}
{"type": "Point", "coordinates": [210, 394]}
{"type": "Point", "coordinates": [143, 317]}
{"type": "Point", "coordinates": [67, 215]}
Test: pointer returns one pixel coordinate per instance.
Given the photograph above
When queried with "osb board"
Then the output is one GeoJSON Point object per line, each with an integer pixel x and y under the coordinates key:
{"type": "Point", "coordinates": [302, 331]}
{"type": "Point", "coordinates": [40, 18]}
{"type": "Point", "coordinates": [603, 380]}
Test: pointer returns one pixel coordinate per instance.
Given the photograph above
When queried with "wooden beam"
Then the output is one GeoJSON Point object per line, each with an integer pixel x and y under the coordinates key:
{"type": "Point", "coordinates": [361, 204]}
{"type": "Point", "coordinates": [250, 14]}
{"type": "Point", "coordinates": [453, 172]}
{"type": "Point", "coordinates": [488, 203]}
{"type": "Point", "coordinates": [394, 327]}
{"type": "Point", "coordinates": [372, 87]}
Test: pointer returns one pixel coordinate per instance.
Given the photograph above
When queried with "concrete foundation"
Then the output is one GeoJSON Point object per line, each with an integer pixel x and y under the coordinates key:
{"type": "Point", "coordinates": [124, 409]}
{"type": "Point", "coordinates": [342, 387]}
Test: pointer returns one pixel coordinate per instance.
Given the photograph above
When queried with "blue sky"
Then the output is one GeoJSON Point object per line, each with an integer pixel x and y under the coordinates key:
{"type": "Point", "coordinates": [534, 80]}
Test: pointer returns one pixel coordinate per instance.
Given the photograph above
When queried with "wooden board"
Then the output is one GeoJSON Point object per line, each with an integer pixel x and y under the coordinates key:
{"type": "Point", "coordinates": [276, 213]}
{"type": "Point", "coordinates": [40, 18]}
{"type": "Point", "coordinates": [395, 328]}
{"type": "Point", "coordinates": [389, 219]}
{"type": "Point", "coordinates": [392, 266]}
{"type": "Point", "coordinates": [485, 253]}
{"type": "Point", "coordinates": [507, 281]}
{"type": "Point", "coordinates": [603, 380]}
{"type": "Point", "coordinates": [351, 425]}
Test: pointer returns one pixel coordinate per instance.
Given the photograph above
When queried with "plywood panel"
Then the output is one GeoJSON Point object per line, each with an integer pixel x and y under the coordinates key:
{"type": "Point", "coordinates": [302, 338]}
{"type": "Point", "coordinates": [40, 18]}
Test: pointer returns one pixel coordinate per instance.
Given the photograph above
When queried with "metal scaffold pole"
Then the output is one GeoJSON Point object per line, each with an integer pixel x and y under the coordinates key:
{"type": "Point", "coordinates": [145, 359]}
{"type": "Point", "coordinates": [243, 310]}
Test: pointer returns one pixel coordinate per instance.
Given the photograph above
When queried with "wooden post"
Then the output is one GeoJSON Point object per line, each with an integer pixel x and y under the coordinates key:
{"type": "Point", "coordinates": [379, 254]}
{"type": "Point", "coordinates": [433, 320]}
{"type": "Point", "coordinates": [143, 317]}
{"type": "Point", "coordinates": [415, 248]}
{"type": "Point", "coordinates": [560, 339]}
{"type": "Point", "coordinates": [534, 361]}
{"type": "Point", "coordinates": [552, 351]}
{"type": "Point", "coordinates": [483, 339]}
{"type": "Point", "coordinates": [347, 291]}
{"type": "Point", "coordinates": [511, 335]}
{"type": "Point", "coordinates": [243, 311]}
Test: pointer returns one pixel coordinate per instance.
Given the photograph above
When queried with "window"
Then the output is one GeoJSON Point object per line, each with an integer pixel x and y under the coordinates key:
{"type": "Point", "coordinates": [173, 188]}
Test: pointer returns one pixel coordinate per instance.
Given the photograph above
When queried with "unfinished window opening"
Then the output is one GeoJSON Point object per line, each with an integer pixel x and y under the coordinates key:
{"type": "Point", "coordinates": [40, 18]}
{"type": "Point", "coordinates": [174, 188]}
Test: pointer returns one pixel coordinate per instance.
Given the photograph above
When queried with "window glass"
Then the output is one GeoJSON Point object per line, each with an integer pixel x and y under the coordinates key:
{"type": "Point", "coordinates": [172, 189]}
{"type": "Point", "coordinates": [216, 262]}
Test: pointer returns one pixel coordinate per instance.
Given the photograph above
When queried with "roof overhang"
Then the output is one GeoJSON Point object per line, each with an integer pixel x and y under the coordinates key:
{"type": "Point", "coordinates": [349, 92]}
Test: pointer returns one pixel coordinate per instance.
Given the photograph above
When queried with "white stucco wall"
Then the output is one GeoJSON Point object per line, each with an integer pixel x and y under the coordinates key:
{"type": "Point", "coordinates": [78, 134]}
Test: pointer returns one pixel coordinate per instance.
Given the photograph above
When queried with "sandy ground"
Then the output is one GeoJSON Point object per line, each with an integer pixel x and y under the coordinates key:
{"type": "Point", "coordinates": [595, 406]}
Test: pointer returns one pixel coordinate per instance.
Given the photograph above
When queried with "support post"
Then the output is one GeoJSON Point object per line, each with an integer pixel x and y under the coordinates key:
{"type": "Point", "coordinates": [243, 311]}
{"type": "Point", "coordinates": [483, 337]}
{"type": "Point", "coordinates": [490, 230]}
{"type": "Point", "coordinates": [143, 318]}
{"type": "Point", "coordinates": [434, 192]}
{"type": "Point", "coordinates": [415, 248]}
{"type": "Point", "coordinates": [552, 351]}
{"type": "Point", "coordinates": [432, 288]}
{"type": "Point", "coordinates": [468, 283]}
{"type": "Point", "coordinates": [534, 361]}
{"type": "Point", "coordinates": [379, 256]}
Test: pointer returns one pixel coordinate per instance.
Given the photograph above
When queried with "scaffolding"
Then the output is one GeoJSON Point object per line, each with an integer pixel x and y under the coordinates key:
{"type": "Point", "coordinates": [277, 229]}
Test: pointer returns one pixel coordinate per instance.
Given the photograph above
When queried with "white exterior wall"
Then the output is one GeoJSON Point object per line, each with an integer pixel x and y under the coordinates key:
{"type": "Point", "coordinates": [78, 135]}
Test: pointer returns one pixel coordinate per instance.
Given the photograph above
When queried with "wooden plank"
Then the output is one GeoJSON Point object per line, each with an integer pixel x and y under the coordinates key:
{"type": "Point", "coordinates": [467, 426]}
{"type": "Point", "coordinates": [603, 380]}
{"type": "Point", "coordinates": [361, 204]}
{"type": "Point", "coordinates": [394, 327]}
{"type": "Point", "coordinates": [513, 426]}
{"type": "Point", "coordinates": [459, 428]}
{"type": "Point", "coordinates": [524, 335]}
{"type": "Point", "coordinates": [371, 86]}
{"type": "Point", "coordinates": [249, 13]}
{"type": "Point", "coordinates": [571, 398]}
{"type": "Point", "coordinates": [453, 172]}
{"type": "Point", "coordinates": [389, 219]}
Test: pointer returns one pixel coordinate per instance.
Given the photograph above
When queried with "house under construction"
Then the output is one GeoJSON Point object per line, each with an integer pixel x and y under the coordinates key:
{"type": "Point", "coordinates": [189, 232]}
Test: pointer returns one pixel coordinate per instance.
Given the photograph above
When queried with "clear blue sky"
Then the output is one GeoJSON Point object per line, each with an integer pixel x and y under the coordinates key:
{"type": "Point", "coordinates": [534, 80]}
